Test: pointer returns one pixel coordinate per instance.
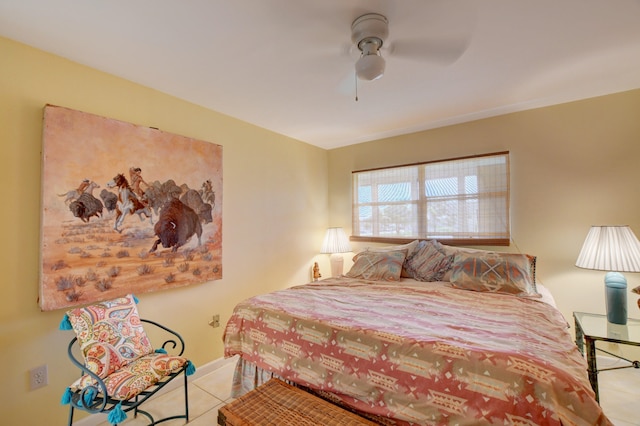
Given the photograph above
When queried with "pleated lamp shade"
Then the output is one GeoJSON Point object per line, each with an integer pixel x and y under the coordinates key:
{"type": "Point", "coordinates": [610, 248]}
{"type": "Point", "coordinates": [615, 249]}
{"type": "Point", "coordinates": [335, 242]}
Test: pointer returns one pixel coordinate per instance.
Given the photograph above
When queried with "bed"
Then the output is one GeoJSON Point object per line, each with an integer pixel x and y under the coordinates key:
{"type": "Point", "coordinates": [449, 336]}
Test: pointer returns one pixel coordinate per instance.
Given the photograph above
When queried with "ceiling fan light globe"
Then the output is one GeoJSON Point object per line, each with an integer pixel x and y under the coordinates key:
{"type": "Point", "coordinates": [370, 67]}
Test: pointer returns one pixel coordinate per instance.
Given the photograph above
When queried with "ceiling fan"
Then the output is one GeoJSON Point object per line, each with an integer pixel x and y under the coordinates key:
{"type": "Point", "coordinates": [370, 31]}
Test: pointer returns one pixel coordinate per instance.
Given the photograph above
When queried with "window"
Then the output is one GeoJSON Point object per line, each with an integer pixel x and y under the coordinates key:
{"type": "Point", "coordinates": [458, 201]}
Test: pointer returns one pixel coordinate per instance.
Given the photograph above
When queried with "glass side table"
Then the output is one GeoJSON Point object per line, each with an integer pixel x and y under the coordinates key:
{"type": "Point", "coordinates": [593, 327]}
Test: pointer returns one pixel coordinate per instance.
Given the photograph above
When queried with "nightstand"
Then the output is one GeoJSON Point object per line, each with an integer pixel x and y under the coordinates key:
{"type": "Point", "coordinates": [593, 327]}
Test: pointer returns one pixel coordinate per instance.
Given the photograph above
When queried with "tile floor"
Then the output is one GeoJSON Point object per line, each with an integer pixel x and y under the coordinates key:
{"type": "Point", "coordinates": [619, 396]}
{"type": "Point", "coordinates": [619, 392]}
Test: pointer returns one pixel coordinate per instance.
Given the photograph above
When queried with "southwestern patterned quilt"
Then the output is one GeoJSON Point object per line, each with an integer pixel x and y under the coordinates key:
{"type": "Point", "coordinates": [420, 353]}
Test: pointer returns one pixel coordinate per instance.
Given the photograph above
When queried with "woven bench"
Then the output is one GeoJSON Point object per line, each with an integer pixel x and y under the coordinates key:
{"type": "Point", "coordinates": [277, 403]}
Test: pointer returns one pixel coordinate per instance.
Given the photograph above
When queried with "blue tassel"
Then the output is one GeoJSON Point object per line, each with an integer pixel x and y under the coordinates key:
{"type": "Point", "coordinates": [66, 397]}
{"type": "Point", "coordinates": [88, 396]}
{"type": "Point", "coordinates": [191, 369]}
{"type": "Point", "coordinates": [65, 324]}
{"type": "Point", "coordinates": [161, 351]}
{"type": "Point", "coordinates": [116, 415]}
{"type": "Point", "coordinates": [135, 299]}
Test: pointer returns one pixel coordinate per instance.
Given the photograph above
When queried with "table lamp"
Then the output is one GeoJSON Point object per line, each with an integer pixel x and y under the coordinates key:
{"type": "Point", "coordinates": [336, 242]}
{"type": "Point", "coordinates": [615, 249]}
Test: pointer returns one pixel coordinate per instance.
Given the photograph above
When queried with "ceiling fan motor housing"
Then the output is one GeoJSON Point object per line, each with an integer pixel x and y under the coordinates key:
{"type": "Point", "coordinates": [369, 28]}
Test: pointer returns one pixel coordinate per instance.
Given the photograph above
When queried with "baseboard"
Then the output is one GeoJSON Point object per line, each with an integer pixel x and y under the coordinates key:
{"type": "Point", "coordinates": [201, 371]}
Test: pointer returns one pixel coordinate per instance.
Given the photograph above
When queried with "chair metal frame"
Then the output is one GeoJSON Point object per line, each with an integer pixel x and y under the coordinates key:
{"type": "Point", "coordinates": [103, 403]}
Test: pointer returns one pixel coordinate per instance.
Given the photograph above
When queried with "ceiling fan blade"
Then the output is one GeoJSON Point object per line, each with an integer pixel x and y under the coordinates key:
{"type": "Point", "coordinates": [348, 82]}
{"type": "Point", "coordinates": [444, 52]}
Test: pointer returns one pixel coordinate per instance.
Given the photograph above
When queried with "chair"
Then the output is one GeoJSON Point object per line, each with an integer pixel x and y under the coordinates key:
{"type": "Point", "coordinates": [120, 370]}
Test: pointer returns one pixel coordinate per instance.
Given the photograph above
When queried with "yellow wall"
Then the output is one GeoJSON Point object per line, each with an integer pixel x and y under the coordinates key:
{"type": "Point", "coordinates": [274, 216]}
{"type": "Point", "coordinates": [572, 166]}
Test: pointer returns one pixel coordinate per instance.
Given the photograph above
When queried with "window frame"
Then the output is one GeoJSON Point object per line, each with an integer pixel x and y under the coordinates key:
{"type": "Point", "coordinates": [422, 202]}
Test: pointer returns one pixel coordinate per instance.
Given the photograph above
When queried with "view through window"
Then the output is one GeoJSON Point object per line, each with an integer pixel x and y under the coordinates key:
{"type": "Point", "coordinates": [453, 201]}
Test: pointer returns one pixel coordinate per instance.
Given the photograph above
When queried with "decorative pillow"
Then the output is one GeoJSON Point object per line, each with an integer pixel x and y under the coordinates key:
{"type": "Point", "coordinates": [493, 272]}
{"type": "Point", "coordinates": [383, 266]}
{"type": "Point", "coordinates": [455, 250]}
{"type": "Point", "coordinates": [428, 262]}
{"type": "Point", "coordinates": [410, 248]}
{"type": "Point", "coordinates": [110, 334]}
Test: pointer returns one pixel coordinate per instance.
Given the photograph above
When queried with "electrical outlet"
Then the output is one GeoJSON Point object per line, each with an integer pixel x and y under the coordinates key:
{"type": "Point", "coordinates": [38, 377]}
{"type": "Point", "coordinates": [215, 322]}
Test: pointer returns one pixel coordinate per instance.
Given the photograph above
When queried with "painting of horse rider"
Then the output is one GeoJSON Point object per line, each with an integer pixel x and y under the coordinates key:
{"type": "Point", "coordinates": [105, 229]}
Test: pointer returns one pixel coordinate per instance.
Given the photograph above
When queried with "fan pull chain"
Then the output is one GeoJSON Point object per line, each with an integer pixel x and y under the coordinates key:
{"type": "Point", "coordinates": [355, 76]}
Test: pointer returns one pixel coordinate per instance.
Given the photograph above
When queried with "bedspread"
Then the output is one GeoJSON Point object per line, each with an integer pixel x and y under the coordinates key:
{"type": "Point", "coordinates": [427, 354]}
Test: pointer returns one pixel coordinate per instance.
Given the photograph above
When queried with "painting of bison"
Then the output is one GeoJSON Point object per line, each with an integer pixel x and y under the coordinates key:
{"type": "Point", "coordinates": [177, 223]}
{"type": "Point", "coordinates": [155, 223]}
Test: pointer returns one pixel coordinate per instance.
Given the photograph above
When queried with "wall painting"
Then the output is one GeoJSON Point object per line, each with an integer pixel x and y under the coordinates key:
{"type": "Point", "coordinates": [110, 191]}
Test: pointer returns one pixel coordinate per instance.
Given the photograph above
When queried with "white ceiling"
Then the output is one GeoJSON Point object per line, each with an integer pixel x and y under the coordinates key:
{"type": "Point", "coordinates": [286, 65]}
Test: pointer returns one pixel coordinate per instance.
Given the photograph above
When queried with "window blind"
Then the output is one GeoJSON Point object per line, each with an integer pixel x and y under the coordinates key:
{"type": "Point", "coordinates": [463, 198]}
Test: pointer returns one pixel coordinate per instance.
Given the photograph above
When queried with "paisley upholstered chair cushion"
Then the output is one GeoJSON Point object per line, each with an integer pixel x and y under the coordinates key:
{"type": "Point", "coordinates": [136, 376]}
{"type": "Point", "coordinates": [110, 334]}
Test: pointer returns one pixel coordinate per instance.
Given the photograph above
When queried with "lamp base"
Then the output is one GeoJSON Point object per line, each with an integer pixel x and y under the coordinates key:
{"type": "Point", "coordinates": [337, 264]}
{"type": "Point", "coordinates": [615, 285]}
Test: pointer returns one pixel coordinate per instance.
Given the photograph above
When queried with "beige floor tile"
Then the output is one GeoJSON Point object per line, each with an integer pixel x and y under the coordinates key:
{"type": "Point", "coordinates": [207, 419]}
{"type": "Point", "coordinates": [218, 383]}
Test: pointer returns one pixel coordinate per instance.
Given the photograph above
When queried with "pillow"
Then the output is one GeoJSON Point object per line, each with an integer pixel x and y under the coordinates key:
{"type": "Point", "coordinates": [410, 248]}
{"type": "Point", "coordinates": [377, 266]}
{"type": "Point", "coordinates": [493, 272]}
{"type": "Point", "coordinates": [428, 262]}
{"type": "Point", "coordinates": [452, 251]}
{"type": "Point", "coordinates": [110, 334]}
{"type": "Point", "coordinates": [455, 250]}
